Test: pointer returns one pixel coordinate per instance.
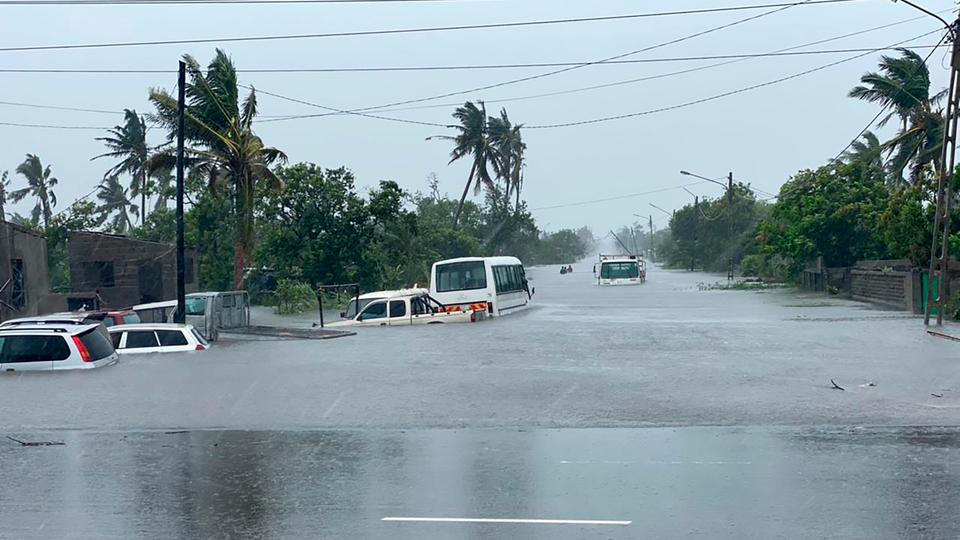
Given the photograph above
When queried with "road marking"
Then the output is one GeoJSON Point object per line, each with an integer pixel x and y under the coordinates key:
{"type": "Point", "coordinates": [509, 520]}
{"type": "Point", "coordinates": [588, 462]}
{"type": "Point", "coordinates": [333, 405]}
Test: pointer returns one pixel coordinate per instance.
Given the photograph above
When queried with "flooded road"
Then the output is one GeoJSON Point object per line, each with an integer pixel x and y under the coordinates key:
{"type": "Point", "coordinates": [665, 353]}
{"type": "Point", "coordinates": [658, 411]}
{"type": "Point", "coordinates": [624, 483]}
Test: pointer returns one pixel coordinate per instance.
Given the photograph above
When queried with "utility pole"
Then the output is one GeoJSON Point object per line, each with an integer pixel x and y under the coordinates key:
{"type": "Point", "coordinates": [939, 264]}
{"type": "Point", "coordinates": [730, 221]}
{"type": "Point", "coordinates": [651, 238]}
{"type": "Point", "coordinates": [696, 228]}
{"type": "Point", "coordinates": [181, 283]}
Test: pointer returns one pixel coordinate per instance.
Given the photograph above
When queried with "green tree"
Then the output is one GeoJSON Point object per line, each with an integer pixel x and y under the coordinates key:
{"type": "Point", "coordinates": [868, 151]}
{"type": "Point", "coordinates": [473, 141]}
{"type": "Point", "coordinates": [79, 216]}
{"type": "Point", "coordinates": [40, 184]}
{"type": "Point", "coordinates": [224, 148]}
{"type": "Point", "coordinates": [128, 143]}
{"type": "Point", "coordinates": [115, 202]}
{"type": "Point", "coordinates": [832, 212]}
{"type": "Point", "coordinates": [902, 86]}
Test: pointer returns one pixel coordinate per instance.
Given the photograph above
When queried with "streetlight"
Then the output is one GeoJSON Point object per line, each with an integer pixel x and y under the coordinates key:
{"type": "Point", "coordinates": [728, 187]}
{"type": "Point", "coordinates": [930, 13]}
{"type": "Point", "coordinates": [661, 209]}
{"type": "Point", "coordinates": [688, 173]}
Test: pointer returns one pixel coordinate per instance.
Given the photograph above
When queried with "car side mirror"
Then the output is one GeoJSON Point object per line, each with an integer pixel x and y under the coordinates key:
{"type": "Point", "coordinates": [343, 314]}
{"type": "Point", "coordinates": [533, 291]}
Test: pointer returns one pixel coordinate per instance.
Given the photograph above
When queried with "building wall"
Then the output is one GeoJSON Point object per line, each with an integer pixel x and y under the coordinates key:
{"type": "Point", "coordinates": [893, 289]}
{"type": "Point", "coordinates": [125, 271]}
{"type": "Point", "coordinates": [28, 249]}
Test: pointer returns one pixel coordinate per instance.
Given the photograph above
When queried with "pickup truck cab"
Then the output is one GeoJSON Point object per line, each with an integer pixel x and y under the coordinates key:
{"type": "Point", "coordinates": [409, 307]}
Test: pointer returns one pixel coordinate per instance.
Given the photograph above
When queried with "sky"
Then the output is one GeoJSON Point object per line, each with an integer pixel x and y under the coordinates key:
{"type": "Point", "coordinates": [763, 136]}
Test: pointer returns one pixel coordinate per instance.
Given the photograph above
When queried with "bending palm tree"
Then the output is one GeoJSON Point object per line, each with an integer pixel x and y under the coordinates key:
{"type": "Point", "coordinates": [508, 149]}
{"type": "Point", "coordinates": [471, 141]}
{"type": "Point", "coordinates": [868, 152]}
{"type": "Point", "coordinates": [225, 149]}
{"type": "Point", "coordinates": [115, 202]}
{"type": "Point", "coordinates": [40, 185]}
{"type": "Point", "coordinates": [129, 143]}
{"type": "Point", "coordinates": [903, 86]}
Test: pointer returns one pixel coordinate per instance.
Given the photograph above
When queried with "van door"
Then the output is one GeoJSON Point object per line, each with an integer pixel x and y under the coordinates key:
{"type": "Point", "coordinates": [399, 313]}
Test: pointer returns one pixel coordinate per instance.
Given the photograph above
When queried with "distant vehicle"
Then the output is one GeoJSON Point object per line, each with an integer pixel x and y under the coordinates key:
{"type": "Point", "coordinates": [407, 307]}
{"type": "Point", "coordinates": [156, 337]}
{"type": "Point", "coordinates": [208, 312]}
{"type": "Point", "coordinates": [499, 282]}
{"type": "Point", "coordinates": [53, 346]}
{"type": "Point", "coordinates": [621, 270]}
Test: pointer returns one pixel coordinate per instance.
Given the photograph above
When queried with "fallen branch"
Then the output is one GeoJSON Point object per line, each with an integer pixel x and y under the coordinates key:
{"type": "Point", "coordinates": [837, 386]}
{"type": "Point", "coordinates": [936, 395]}
{"type": "Point", "coordinates": [35, 443]}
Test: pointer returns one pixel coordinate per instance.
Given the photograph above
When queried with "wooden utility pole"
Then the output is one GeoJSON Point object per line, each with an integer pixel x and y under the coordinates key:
{"type": "Point", "coordinates": [696, 229]}
{"type": "Point", "coordinates": [181, 316]}
{"type": "Point", "coordinates": [939, 259]}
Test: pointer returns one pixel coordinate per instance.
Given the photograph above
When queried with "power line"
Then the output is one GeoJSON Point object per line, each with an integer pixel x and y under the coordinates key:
{"type": "Point", "coordinates": [724, 94]}
{"type": "Point", "coordinates": [57, 107]}
{"type": "Point", "coordinates": [409, 30]}
{"type": "Point", "coordinates": [738, 56]}
{"type": "Point", "coordinates": [779, 8]}
{"type": "Point", "coordinates": [51, 126]}
{"type": "Point", "coordinates": [618, 197]}
{"type": "Point", "coordinates": [193, 2]}
{"type": "Point", "coordinates": [327, 108]}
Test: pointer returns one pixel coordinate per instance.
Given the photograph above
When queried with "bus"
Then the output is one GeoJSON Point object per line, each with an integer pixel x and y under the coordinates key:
{"type": "Point", "coordinates": [499, 282]}
{"type": "Point", "coordinates": [621, 270]}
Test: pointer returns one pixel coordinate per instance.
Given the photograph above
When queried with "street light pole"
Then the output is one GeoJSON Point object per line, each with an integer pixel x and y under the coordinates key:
{"type": "Point", "coordinates": [181, 316]}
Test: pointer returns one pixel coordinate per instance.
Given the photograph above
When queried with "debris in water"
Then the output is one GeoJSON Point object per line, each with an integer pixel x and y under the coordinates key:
{"type": "Point", "coordinates": [868, 384]}
{"type": "Point", "coordinates": [36, 443]}
{"type": "Point", "coordinates": [837, 386]}
{"type": "Point", "coordinates": [936, 395]}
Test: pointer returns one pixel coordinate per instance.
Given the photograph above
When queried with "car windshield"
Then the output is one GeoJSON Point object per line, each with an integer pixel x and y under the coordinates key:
{"type": "Point", "coordinates": [681, 269]}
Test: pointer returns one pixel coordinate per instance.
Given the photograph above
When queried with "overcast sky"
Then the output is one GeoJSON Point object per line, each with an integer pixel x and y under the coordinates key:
{"type": "Point", "coordinates": [763, 136]}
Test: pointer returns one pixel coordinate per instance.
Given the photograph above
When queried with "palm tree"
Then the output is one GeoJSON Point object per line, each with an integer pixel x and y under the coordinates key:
{"type": "Point", "coordinates": [40, 185]}
{"type": "Point", "coordinates": [902, 86]}
{"type": "Point", "coordinates": [128, 142]}
{"type": "Point", "coordinates": [508, 150]}
{"type": "Point", "coordinates": [163, 188]}
{"type": "Point", "coordinates": [115, 202]}
{"type": "Point", "coordinates": [868, 151]}
{"type": "Point", "coordinates": [224, 148]}
{"type": "Point", "coordinates": [471, 141]}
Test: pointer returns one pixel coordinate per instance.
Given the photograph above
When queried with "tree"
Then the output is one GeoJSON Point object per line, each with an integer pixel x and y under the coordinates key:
{"type": "Point", "coordinates": [508, 150]}
{"type": "Point", "coordinates": [472, 140]}
{"type": "Point", "coordinates": [163, 187]}
{"type": "Point", "coordinates": [224, 148]}
{"type": "Point", "coordinates": [902, 86]}
{"type": "Point", "coordinates": [115, 202]}
{"type": "Point", "coordinates": [868, 151]}
{"type": "Point", "coordinates": [128, 142]}
{"type": "Point", "coordinates": [40, 184]}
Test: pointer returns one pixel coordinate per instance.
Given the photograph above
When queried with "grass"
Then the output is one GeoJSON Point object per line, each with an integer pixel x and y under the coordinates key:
{"type": "Point", "coordinates": [740, 285]}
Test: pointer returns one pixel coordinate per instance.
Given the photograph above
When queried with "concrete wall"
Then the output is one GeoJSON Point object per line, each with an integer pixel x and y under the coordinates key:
{"type": "Point", "coordinates": [892, 288]}
{"type": "Point", "coordinates": [142, 271]}
{"type": "Point", "coordinates": [30, 248]}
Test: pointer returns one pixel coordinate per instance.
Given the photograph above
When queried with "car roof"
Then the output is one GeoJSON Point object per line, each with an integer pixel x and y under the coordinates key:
{"type": "Point", "coordinates": [394, 293]}
{"type": "Point", "coordinates": [494, 261]}
{"type": "Point", "coordinates": [53, 318]}
{"type": "Point", "coordinates": [149, 326]}
{"type": "Point", "coordinates": [69, 328]}
{"type": "Point", "coordinates": [154, 305]}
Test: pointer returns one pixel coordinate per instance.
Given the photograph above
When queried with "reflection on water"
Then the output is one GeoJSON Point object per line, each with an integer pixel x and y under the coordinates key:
{"type": "Point", "coordinates": [699, 482]}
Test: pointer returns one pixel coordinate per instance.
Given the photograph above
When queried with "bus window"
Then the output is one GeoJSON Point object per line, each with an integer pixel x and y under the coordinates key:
{"type": "Point", "coordinates": [461, 276]}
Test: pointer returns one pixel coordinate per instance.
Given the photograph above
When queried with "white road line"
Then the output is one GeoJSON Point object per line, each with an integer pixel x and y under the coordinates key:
{"type": "Point", "coordinates": [509, 520]}
{"type": "Point", "coordinates": [333, 405]}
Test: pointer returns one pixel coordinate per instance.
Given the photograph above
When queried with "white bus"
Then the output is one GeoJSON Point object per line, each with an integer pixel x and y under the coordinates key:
{"type": "Point", "coordinates": [499, 282]}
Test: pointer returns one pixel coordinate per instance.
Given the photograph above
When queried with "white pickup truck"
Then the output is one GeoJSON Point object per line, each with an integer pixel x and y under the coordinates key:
{"type": "Point", "coordinates": [408, 307]}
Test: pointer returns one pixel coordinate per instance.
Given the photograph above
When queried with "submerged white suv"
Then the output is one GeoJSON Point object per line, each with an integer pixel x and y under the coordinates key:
{"type": "Point", "coordinates": [55, 346]}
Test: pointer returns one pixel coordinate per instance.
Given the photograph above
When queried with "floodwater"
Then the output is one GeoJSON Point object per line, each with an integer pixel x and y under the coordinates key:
{"type": "Point", "coordinates": [654, 411]}
{"type": "Point", "coordinates": [661, 354]}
